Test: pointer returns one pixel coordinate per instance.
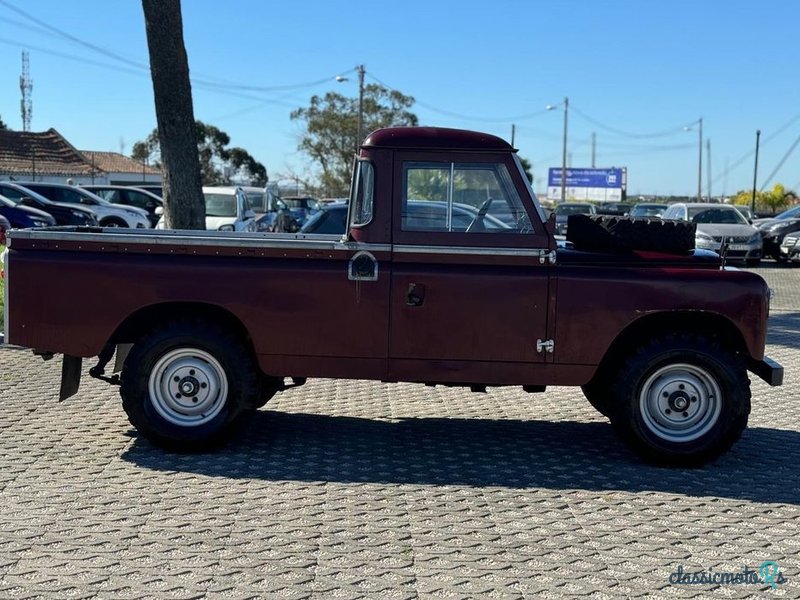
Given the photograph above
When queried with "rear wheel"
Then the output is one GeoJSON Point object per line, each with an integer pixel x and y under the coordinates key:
{"type": "Point", "coordinates": [113, 222]}
{"type": "Point", "coordinates": [184, 385]}
{"type": "Point", "coordinates": [681, 400]}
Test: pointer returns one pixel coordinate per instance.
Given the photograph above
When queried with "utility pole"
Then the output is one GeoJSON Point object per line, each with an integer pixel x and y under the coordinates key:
{"type": "Point", "coordinates": [755, 174]}
{"type": "Point", "coordinates": [594, 148]}
{"type": "Point", "coordinates": [708, 167]}
{"type": "Point", "coordinates": [360, 70]}
{"type": "Point", "coordinates": [26, 87]}
{"type": "Point", "coordinates": [564, 153]}
{"type": "Point", "coordinates": [700, 162]}
{"type": "Point", "coordinates": [513, 131]}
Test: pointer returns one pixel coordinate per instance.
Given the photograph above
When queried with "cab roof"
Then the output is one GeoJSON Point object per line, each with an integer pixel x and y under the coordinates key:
{"type": "Point", "coordinates": [436, 138]}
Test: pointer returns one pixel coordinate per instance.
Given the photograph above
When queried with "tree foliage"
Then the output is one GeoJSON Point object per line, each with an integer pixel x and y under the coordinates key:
{"type": "Point", "coordinates": [2, 124]}
{"type": "Point", "coordinates": [767, 201]}
{"type": "Point", "coordinates": [331, 123]}
{"type": "Point", "coordinates": [527, 167]}
{"type": "Point", "coordinates": [218, 163]}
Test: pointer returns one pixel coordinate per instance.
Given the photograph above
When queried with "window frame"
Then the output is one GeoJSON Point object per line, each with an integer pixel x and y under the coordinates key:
{"type": "Point", "coordinates": [538, 238]}
{"type": "Point", "coordinates": [352, 205]}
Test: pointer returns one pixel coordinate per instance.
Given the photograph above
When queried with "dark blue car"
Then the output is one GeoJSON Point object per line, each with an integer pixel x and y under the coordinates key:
{"type": "Point", "coordinates": [22, 217]}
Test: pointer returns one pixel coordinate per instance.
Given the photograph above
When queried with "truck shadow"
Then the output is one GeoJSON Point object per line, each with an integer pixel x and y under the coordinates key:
{"type": "Point", "coordinates": [762, 467]}
{"type": "Point", "coordinates": [784, 329]}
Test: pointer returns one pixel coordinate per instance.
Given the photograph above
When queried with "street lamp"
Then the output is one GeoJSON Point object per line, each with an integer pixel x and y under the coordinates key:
{"type": "Point", "coordinates": [564, 148]}
{"type": "Point", "coordinates": [340, 78]}
{"type": "Point", "coordinates": [699, 158]}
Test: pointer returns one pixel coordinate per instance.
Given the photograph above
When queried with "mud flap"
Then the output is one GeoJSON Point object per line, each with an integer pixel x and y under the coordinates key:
{"type": "Point", "coordinates": [70, 377]}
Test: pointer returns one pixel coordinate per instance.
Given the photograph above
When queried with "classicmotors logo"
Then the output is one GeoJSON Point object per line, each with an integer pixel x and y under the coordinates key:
{"type": "Point", "coordinates": [768, 573]}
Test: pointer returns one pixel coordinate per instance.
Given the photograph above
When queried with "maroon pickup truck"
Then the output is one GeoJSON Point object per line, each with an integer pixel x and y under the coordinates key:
{"type": "Point", "coordinates": [448, 274]}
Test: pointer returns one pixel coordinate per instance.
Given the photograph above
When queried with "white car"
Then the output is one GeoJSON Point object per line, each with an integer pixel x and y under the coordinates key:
{"type": "Point", "coordinates": [109, 215]}
{"type": "Point", "coordinates": [227, 209]}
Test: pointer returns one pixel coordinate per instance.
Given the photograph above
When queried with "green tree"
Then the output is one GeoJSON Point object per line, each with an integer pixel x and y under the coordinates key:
{"type": "Point", "coordinates": [767, 201]}
{"type": "Point", "coordinates": [2, 124]}
{"type": "Point", "coordinates": [184, 207]}
{"type": "Point", "coordinates": [331, 129]}
{"type": "Point", "coordinates": [217, 161]}
{"type": "Point", "coordinates": [527, 166]}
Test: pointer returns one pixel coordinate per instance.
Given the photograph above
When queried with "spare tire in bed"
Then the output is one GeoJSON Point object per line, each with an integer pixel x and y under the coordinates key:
{"type": "Point", "coordinates": [625, 234]}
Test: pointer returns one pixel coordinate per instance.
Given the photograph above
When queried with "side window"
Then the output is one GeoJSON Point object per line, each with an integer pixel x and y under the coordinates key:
{"type": "Point", "coordinates": [363, 193]}
{"type": "Point", "coordinates": [138, 199]}
{"type": "Point", "coordinates": [461, 197]}
{"type": "Point", "coordinates": [111, 196]}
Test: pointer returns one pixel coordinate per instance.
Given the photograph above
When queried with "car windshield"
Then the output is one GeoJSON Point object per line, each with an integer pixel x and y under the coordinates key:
{"type": "Point", "coordinates": [573, 209]}
{"type": "Point", "coordinates": [648, 210]}
{"type": "Point", "coordinates": [716, 214]}
{"type": "Point", "coordinates": [220, 205]}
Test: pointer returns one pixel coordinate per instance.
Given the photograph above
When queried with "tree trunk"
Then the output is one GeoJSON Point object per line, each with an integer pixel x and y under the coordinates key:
{"type": "Point", "coordinates": [184, 206]}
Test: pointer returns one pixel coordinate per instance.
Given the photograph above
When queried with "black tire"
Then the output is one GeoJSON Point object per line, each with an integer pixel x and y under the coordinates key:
{"type": "Point", "coordinates": [113, 222]}
{"type": "Point", "coordinates": [626, 234]}
{"type": "Point", "coordinates": [210, 377]}
{"type": "Point", "coordinates": [752, 262]}
{"type": "Point", "coordinates": [706, 409]}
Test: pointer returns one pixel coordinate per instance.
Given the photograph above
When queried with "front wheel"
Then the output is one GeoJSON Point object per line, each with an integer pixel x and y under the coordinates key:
{"type": "Point", "coordinates": [183, 385]}
{"type": "Point", "coordinates": [681, 400]}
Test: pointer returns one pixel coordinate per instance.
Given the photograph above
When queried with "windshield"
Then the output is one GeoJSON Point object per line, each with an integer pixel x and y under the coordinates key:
{"type": "Point", "coordinates": [716, 214]}
{"type": "Point", "coordinates": [300, 203]}
{"type": "Point", "coordinates": [220, 205]}
{"type": "Point", "coordinates": [257, 200]}
{"type": "Point", "coordinates": [648, 210]}
{"type": "Point", "coordinates": [573, 209]}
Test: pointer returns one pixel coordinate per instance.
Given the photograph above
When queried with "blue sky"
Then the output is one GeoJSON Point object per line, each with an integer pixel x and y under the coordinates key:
{"type": "Point", "coordinates": [629, 68]}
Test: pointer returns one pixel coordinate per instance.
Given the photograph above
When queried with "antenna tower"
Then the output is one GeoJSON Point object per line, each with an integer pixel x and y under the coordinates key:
{"type": "Point", "coordinates": [26, 87]}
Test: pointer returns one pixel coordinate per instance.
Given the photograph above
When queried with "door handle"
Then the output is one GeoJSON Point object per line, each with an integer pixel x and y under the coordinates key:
{"type": "Point", "coordinates": [416, 294]}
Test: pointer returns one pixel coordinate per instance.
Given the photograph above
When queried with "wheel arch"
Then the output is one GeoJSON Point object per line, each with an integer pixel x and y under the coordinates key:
{"type": "Point", "coordinates": [141, 321]}
{"type": "Point", "coordinates": [672, 322]}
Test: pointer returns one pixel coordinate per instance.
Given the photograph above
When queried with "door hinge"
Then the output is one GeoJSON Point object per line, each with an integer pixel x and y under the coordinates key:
{"type": "Point", "coordinates": [545, 346]}
{"type": "Point", "coordinates": [547, 257]}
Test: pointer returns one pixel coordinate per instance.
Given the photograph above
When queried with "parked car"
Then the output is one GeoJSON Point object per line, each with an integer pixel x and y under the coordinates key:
{"type": "Point", "coordinates": [301, 207]}
{"type": "Point", "coordinates": [156, 189]}
{"type": "Point", "coordinates": [330, 219]}
{"type": "Point", "coordinates": [64, 214]}
{"type": "Point", "coordinates": [22, 217]}
{"type": "Point", "coordinates": [648, 209]}
{"type": "Point", "coordinates": [617, 209]}
{"type": "Point", "coordinates": [774, 230]}
{"type": "Point", "coordinates": [227, 209]}
{"type": "Point", "coordinates": [790, 248]}
{"type": "Point", "coordinates": [565, 209]}
{"type": "Point", "coordinates": [109, 215]}
{"type": "Point", "coordinates": [746, 211]}
{"type": "Point", "coordinates": [4, 226]}
{"type": "Point", "coordinates": [718, 224]}
{"type": "Point", "coordinates": [129, 196]}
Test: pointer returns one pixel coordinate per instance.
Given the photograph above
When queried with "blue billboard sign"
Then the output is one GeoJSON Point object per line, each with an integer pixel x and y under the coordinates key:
{"type": "Point", "coordinates": [588, 178]}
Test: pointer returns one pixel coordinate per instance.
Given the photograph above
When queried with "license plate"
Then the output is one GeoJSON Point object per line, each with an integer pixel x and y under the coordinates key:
{"type": "Point", "coordinates": [739, 247]}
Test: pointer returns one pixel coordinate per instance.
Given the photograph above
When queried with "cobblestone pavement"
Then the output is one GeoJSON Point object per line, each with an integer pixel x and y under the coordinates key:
{"type": "Point", "coordinates": [366, 490]}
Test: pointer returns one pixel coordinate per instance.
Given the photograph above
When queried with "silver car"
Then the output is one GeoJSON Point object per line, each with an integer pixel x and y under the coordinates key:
{"type": "Point", "coordinates": [719, 224]}
{"type": "Point", "coordinates": [109, 215]}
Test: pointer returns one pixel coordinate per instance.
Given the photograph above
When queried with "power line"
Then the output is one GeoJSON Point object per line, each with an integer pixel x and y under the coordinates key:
{"type": "Point", "coordinates": [750, 153]}
{"type": "Point", "coordinates": [623, 133]}
{"type": "Point", "coordinates": [780, 164]}
{"type": "Point", "coordinates": [465, 117]}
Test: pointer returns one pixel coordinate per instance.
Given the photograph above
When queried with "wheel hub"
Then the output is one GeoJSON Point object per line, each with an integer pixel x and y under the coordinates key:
{"type": "Point", "coordinates": [680, 402]}
{"type": "Point", "coordinates": [188, 387]}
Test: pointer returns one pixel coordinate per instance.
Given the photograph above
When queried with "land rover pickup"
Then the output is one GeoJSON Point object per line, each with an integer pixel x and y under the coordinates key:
{"type": "Point", "coordinates": [448, 274]}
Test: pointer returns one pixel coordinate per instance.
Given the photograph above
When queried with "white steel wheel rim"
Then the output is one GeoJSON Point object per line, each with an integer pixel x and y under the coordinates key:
{"type": "Point", "coordinates": [188, 387]}
{"type": "Point", "coordinates": [680, 402]}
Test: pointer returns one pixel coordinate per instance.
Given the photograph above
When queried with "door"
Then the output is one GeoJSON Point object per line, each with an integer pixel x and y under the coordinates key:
{"type": "Point", "coordinates": [470, 275]}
